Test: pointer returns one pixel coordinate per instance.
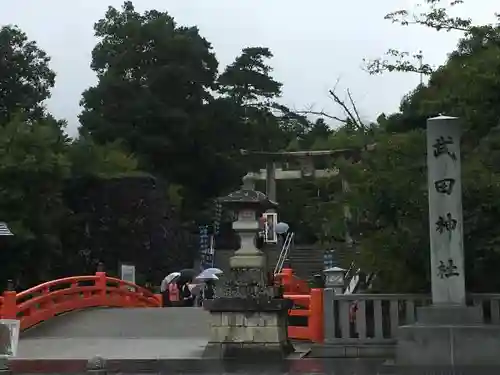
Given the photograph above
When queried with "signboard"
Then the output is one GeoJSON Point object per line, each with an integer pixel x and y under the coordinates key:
{"type": "Point", "coordinates": [270, 221]}
{"type": "Point", "coordinates": [127, 272]}
{"type": "Point", "coordinates": [9, 337]}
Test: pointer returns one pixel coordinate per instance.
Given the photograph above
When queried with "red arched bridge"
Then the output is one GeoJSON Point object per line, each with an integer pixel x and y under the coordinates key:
{"type": "Point", "coordinates": [52, 298]}
{"type": "Point", "coordinates": [87, 315]}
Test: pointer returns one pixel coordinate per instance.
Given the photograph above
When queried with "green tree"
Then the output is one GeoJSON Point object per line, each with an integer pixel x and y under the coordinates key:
{"type": "Point", "coordinates": [25, 76]}
{"type": "Point", "coordinates": [154, 80]}
{"type": "Point", "coordinates": [106, 161]}
{"type": "Point", "coordinates": [247, 80]}
{"type": "Point", "coordinates": [159, 95]}
{"type": "Point", "coordinates": [154, 95]}
{"type": "Point", "coordinates": [33, 170]}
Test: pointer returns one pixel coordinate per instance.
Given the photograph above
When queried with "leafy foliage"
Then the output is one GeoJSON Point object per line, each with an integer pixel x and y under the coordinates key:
{"type": "Point", "coordinates": [160, 96]}
{"type": "Point", "coordinates": [33, 169]}
{"type": "Point", "coordinates": [25, 77]}
{"type": "Point", "coordinates": [247, 79]}
{"type": "Point", "coordinates": [107, 161]}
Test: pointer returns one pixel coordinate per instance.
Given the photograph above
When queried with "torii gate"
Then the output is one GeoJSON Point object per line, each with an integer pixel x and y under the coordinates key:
{"type": "Point", "coordinates": [306, 159]}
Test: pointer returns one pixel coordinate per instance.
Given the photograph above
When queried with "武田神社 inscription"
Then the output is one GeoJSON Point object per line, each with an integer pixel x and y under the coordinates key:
{"type": "Point", "coordinates": [441, 147]}
{"type": "Point", "coordinates": [447, 270]}
{"type": "Point", "coordinates": [447, 223]}
{"type": "Point", "coordinates": [445, 186]}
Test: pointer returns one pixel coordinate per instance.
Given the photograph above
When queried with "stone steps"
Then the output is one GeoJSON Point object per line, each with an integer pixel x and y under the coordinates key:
{"type": "Point", "coordinates": [306, 261]}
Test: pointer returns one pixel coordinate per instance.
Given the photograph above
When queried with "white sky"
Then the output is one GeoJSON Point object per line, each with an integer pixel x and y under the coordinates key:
{"type": "Point", "coordinates": [315, 43]}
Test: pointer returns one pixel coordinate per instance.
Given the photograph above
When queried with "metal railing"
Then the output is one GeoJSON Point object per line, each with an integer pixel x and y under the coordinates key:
{"type": "Point", "coordinates": [285, 250]}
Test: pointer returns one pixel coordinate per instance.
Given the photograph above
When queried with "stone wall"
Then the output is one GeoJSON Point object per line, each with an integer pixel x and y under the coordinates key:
{"type": "Point", "coordinates": [259, 327]}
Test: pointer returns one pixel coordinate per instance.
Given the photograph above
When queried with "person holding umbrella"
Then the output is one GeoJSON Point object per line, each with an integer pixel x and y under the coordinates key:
{"type": "Point", "coordinates": [186, 277]}
{"type": "Point", "coordinates": [185, 294]}
{"type": "Point", "coordinates": [209, 289]}
{"type": "Point", "coordinates": [208, 277]}
{"type": "Point", "coordinates": [168, 289]}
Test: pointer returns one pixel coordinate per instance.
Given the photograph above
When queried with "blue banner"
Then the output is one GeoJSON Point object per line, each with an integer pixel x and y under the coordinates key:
{"type": "Point", "coordinates": [206, 249]}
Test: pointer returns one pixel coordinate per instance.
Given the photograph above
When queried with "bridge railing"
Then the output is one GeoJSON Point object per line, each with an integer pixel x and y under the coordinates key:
{"type": "Point", "coordinates": [291, 283]}
{"type": "Point", "coordinates": [374, 318]}
{"type": "Point", "coordinates": [368, 318]}
{"type": "Point", "coordinates": [46, 300]}
{"type": "Point", "coordinates": [309, 307]}
{"type": "Point", "coordinates": [305, 319]}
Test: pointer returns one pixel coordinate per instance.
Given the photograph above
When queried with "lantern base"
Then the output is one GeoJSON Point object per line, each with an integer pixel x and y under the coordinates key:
{"type": "Point", "coordinates": [243, 328]}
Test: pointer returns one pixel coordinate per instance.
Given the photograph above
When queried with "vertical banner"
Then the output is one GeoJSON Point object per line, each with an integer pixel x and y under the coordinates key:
{"type": "Point", "coordinates": [204, 247]}
{"type": "Point", "coordinates": [211, 260]}
{"type": "Point", "coordinates": [217, 216]}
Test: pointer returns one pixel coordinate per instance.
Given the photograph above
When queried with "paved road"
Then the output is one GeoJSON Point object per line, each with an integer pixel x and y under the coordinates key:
{"type": "Point", "coordinates": [136, 333]}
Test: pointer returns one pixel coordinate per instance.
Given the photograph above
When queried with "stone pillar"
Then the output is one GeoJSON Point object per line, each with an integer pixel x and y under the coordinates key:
{"type": "Point", "coordinates": [271, 181]}
{"type": "Point", "coordinates": [250, 320]}
{"type": "Point", "coordinates": [445, 211]}
{"type": "Point", "coordinates": [447, 332]}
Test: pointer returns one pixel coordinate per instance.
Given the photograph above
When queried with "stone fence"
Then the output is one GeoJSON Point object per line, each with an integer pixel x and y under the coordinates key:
{"type": "Point", "coordinates": [365, 325]}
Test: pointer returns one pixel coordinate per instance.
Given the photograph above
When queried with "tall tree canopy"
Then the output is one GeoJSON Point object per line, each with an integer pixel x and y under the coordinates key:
{"type": "Point", "coordinates": [159, 92]}
{"type": "Point", "coordinates": [25, 76]}
{"type": "Point", "coordinates": [154, 80]}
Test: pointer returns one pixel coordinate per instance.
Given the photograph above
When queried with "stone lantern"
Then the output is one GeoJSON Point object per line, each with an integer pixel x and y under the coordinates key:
{"type": "Point", "coordinates": [335, 279]}
{"type": "Point", "coordinates": [249, 320]}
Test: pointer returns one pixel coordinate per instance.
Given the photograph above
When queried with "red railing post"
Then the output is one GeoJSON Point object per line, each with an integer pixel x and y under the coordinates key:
{"type": "Point", "coordinates": [9, 308]}
{"type": "Point", "coordinates": [101, 285]}
{"type": "Point", "coordinates": [287, 279]}
{"type": "Point", "coordinates": [316, 315]}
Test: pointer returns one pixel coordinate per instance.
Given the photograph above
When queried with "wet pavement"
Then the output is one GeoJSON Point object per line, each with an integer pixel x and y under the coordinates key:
{"type": "Point", "coordinates": [133, 333]}
{"type": "Point", "coordinates": [192, 367]}
{"type": "Point", "coordinates": [168, 341]}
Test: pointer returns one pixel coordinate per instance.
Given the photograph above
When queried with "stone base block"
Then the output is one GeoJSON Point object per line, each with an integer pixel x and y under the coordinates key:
{"type": "Point", "coordinates": [248, 328]}
{"type": "Point", "coordinates": [328, 350]}
{"type": "Point", "coordinates": [250, 305]}
{"type": "Point", "coordinates": [448, 345]}
{"type": "Point", "coordinates": [449, 315]}
{"type": "Point", "coordinates": [249, 351]}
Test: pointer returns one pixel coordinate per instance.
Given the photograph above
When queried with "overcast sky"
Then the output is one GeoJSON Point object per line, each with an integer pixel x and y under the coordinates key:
{"type": "Point", "coordinates": [314, 42]}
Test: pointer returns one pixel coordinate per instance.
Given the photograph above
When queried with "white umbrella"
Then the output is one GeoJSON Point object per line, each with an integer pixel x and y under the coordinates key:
{"type": "Point", "coordinates": [168, 279]}
{"type": "Point", "coordinates": [213, 271]}
{"type": "Point", "coordinates": [208, 273]}
{"type": "Point", "coordinates": [205, 277]}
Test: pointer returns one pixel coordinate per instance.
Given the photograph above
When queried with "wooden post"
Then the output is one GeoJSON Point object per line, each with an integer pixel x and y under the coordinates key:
{"type": "Point", "coordinates": [287, 278]}
{"type": "Point", "coordinates": [101, 285]}
{"type": "Point", "coordinates": [9, 308]}
{"type": "Point", "coordinates": [315, 324]}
